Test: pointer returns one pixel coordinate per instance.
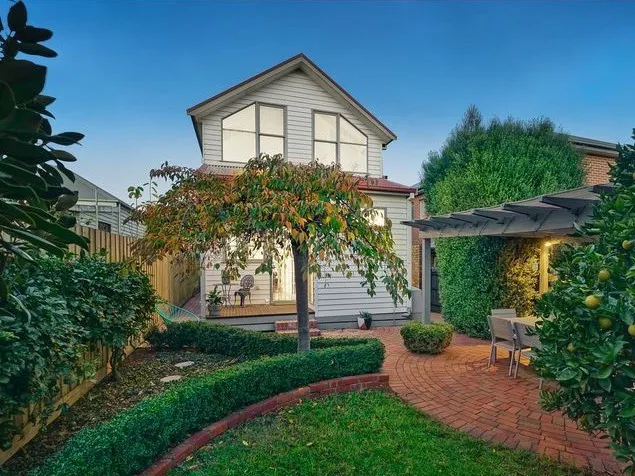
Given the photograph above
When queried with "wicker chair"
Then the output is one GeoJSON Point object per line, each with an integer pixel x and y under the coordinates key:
{"type": "Point", "coordinates": [246, 283]}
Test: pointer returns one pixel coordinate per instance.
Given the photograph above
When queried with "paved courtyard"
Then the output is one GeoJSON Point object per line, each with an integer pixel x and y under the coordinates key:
{"type": "Point", "coordinates": [457, 388]}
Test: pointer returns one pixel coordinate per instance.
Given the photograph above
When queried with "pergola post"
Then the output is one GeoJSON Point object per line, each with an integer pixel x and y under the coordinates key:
{"type": "Point", "coordinates": [426, 277]}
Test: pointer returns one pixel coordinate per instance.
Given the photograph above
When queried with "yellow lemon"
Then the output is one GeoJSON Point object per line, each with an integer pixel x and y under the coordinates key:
{"type": "Point", "coordinates": [571, 347]}
{"type": "Point", "coordinates": [592, 302]}
{"type": "Point", "coordinates": [627, 244]}
{"type": "Point", "coordinates": [605, 322]}
{"type": "Point", "coordinates": [631, 330]}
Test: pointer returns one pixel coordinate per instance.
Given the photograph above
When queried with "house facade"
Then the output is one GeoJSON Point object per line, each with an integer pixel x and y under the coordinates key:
{"type": "Point", "coordinates": [98, 208]}
{"type": "Point", "coordinates": [297, 110]}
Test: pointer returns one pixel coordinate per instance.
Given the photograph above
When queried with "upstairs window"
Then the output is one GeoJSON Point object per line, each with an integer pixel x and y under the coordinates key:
{"type": "Point", "coordinates": [336, 140]}
{"type": "Point", "coordinates": [254, 130]}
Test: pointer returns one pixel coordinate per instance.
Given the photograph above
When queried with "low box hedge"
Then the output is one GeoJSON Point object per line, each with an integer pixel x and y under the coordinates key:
{"type": "Point", "coordinates": [132, 440]}
{"type": "Point", "coordinates": [427, 338]}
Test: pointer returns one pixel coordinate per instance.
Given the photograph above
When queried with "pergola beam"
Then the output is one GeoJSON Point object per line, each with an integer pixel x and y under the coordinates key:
{"type": "Point", "coordinates": [532, 211]}
{"type": "Point", "coordinates": [469, 218]}
{"type": "Point", "coordinates": [498, 215]}
{"type": "Point", "coordinates": [574, 205]}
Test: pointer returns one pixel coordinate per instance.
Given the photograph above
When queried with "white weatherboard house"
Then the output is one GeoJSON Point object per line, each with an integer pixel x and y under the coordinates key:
{"type": "Point", "coordinates": [297, 110]}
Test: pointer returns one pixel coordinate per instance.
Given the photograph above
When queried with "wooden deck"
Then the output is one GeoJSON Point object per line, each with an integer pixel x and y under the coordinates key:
{"type": "Point", "coordinates": [248, 310]}
{"type": "Point", "coordinates": [261, 317]}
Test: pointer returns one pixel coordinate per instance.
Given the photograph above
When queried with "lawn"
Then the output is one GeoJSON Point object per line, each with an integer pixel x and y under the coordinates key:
{"type": "Point", "coordinates": [139, 378]}
{"type": "Point", "coordinates": [358, 433]}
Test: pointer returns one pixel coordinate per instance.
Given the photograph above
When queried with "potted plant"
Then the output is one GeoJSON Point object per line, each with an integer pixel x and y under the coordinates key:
{"type": "Point", "coordinates": [364, 320]}
{"type": "Point", "coordinates": [214, 301]}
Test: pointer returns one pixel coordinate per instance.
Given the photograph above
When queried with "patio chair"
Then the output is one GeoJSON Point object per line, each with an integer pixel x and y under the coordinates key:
{"type": "Point", "coordinates": [502, 336]}
{"type": "Point", "coordinates": [504, 313]}
{"type": "Point", "coordinates": [246, 283]}
{"type": "Point", "coordinates": [526, 343]}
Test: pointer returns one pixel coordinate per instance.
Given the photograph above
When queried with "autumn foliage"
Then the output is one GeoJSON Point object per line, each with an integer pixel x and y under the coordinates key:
{"type": "Point", "coordinates": [314, 211]}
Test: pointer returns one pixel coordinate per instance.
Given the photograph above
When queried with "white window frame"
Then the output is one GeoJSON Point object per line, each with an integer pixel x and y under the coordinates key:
{"type": "Point", "coordinates": [257, 133]}
{"type": "Point", "coordinates": [337, 141]}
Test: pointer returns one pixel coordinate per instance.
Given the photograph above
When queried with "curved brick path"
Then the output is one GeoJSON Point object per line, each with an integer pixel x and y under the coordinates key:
{"type": "Point", "coordinates": [457, 388]}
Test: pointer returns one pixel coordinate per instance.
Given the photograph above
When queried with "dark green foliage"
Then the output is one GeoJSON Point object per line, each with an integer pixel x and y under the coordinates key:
{"type": "Point", "coordinates": [593, 364]}
{"type": "Point", "coordinates": [33, 200]}
{"type": "Point", "coordinates": [58, 309]}
{"type": "Point", "coordinates": [484, 165]}
{"type": "Point", "coordinates": [518, 275]}
{"type": "Point", "coordinates": [468, 281]}
{"type": "Point", "coordinates": [427, 339]}
{"type": "Point", "coordinates": [131, 441]}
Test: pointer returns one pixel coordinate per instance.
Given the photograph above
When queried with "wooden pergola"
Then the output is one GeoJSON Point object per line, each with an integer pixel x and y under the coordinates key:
{"type": "Point", "coordinates": [546, 216]}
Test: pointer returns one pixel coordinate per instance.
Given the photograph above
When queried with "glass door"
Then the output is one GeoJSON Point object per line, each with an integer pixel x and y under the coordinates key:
{"type": "Point", "coordinates": [283, 280]}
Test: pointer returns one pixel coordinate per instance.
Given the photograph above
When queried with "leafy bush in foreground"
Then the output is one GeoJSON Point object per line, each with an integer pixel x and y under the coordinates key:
{"type": "Point", "coordinates": [427, 339]}
{"type": "Point", "coordinates": [588, 333]}
{"type": "Point", "coordinates": [61, 308]}
{"type": "Point", "coordinates": [130, 442]}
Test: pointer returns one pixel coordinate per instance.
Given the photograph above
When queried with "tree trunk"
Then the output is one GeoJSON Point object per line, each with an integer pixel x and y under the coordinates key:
{"type": "Point", "coordinates": [300, 266]}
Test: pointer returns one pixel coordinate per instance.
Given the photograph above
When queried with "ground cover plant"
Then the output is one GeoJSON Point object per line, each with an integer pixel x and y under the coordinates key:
{"type": "Point", "coordinates": [140, 377]}
{"type": "Point", "coordinates": [359, 433]}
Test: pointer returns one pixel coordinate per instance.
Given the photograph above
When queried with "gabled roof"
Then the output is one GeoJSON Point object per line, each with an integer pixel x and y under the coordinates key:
{"type": "Point", "coordinates": [299, 61]}
{"type": "Point", "coordinates": [87, 190]}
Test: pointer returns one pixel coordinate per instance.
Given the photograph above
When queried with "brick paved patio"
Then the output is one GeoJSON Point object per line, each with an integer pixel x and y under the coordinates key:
{"type": "Point", "coordinates": [457, 388]}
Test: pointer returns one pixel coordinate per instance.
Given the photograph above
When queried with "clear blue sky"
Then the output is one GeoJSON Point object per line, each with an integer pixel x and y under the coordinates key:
{"type": "Point", "coordinates": [128, 70]}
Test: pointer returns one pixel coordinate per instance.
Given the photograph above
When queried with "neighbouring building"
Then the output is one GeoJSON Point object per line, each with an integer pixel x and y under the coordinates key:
{"type": "Point", "coordinates": [97, 208]}
{"type": "Point", "coordinates": [598, 156]}
{"type": "Point", "coordinates": [297, 110]}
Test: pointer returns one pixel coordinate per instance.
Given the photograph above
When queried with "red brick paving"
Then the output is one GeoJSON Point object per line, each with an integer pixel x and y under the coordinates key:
{"type": "Point", "coordinates": [457, 388]}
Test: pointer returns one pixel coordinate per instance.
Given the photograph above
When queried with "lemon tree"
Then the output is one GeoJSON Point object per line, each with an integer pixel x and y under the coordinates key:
{"type": "Point", "coordinates": [588, 332]}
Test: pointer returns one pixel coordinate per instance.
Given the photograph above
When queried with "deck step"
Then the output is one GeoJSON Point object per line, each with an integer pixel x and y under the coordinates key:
{"type": "Point", "coordinates": [292, 325]}
{"type": "Point", "coordinates": [313, 332]}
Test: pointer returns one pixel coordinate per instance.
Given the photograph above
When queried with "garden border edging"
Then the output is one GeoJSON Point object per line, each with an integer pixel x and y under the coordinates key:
{"type": "Point", "coordinates": [315, 390]}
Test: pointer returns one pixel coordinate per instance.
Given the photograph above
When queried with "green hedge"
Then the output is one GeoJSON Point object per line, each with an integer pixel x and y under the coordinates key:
{"type": "Point", "coordinates": [427, 339]}
{"type": "Point", "coordinates": [484, 164]}
{"type": "Point", "coordinates": [131, 441]}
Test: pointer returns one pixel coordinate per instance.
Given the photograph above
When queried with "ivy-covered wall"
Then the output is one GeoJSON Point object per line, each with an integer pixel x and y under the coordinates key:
{"type": "Point", "coordinates": [483, 165]}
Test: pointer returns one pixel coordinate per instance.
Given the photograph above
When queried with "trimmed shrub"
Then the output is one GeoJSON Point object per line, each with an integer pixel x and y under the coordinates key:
{"type": "Point", "coordinates": [427, 339]}
{"type": "Point", "coordinates": [131, 441]}
{"type": "Point", "coordinates": [233, 341]}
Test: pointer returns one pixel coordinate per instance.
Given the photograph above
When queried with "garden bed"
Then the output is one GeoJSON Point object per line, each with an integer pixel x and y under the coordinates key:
{"type": "Point", "coordinates": [140, 378]}
{"type": "Point", "coordinates": [358, 433]}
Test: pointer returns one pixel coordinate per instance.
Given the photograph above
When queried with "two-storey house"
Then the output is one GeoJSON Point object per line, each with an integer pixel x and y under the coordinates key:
{"type": "Point", "coordinates": [297, 110]}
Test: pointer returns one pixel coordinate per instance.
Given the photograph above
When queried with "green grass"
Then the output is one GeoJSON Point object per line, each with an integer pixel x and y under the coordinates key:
{"type": "Point", "coordinates": [358, 433]}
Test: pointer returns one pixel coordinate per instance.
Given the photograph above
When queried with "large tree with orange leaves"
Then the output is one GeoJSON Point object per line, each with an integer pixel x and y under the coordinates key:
{"type": "Point", "coordinates": [272, 205]}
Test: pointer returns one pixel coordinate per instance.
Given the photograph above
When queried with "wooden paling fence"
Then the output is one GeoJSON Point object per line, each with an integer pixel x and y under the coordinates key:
{"type": "Point", "coordinates": [175, 282]}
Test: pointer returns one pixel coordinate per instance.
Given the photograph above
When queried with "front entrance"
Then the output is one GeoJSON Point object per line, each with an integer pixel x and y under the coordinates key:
{"type": "Point", "coordinates": [283, 281]}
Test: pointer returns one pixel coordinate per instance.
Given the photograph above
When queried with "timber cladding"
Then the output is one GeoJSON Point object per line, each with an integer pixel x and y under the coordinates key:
{"type": "Point", "coordinates": [175, 282]}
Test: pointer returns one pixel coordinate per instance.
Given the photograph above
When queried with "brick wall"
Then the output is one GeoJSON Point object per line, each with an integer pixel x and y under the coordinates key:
{"type": "Point", "coordinates": [597, 169]}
